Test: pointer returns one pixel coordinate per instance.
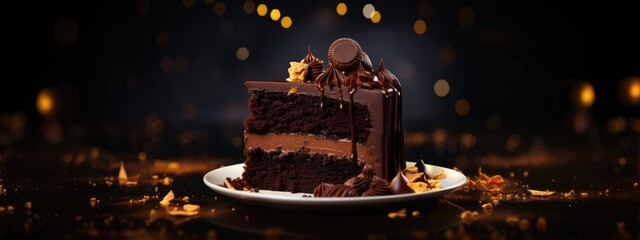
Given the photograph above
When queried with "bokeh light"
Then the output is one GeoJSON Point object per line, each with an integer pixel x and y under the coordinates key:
{"type": "Point", "coordinates": [582, 121]}
{"type": "Point", "coordinates": [45, 102]}
{"type": "Point", "coordinates": [494, 121]}
{"type": "Point", "coordinates": [448, 54]}
{"type": "Point", "coordinates": [262, 10]}
{"type": "Point", "coordinates": [368, 10]}
{"type": "Point", "coordinates": [219, 8]}
{"type": "Point", "coordinates": [441, 88]}
{"type": "Point", "coordinates": [616, 125]}
{"type": "Point", "coordinates": [275, 14]}
{"type": "Point", "coordinates": [181, 64]}
{"type": "Point", "coordinates": [226, 26]}
{"type": "Point", "coordinates": [376, 17]}
{"type": "Point", "coordinates": [162, 39]}
{"type": "Point", "coordinates": [341, 9]}
{"type": "Point", "coordinates": [188, 3]}
{"type": "Point", "coordinates": [467, 140]}
{"type": "Point", "coordinates": [425, 9]}
{"type": "Point", "coordinates": [249, 7]}
{"type": "Point", "coordinates": [466, 17]}
{"type": "Point", "coordinates": [286, 22]}
{"type": "Point", "coordinates": [462, 107]}
{"type": "Point", "coordinates": [143, 6]}
{"type": "Point", "coordinates": [419, 26]}
{"type": "Point", "coordinates": [65, 32]}
{"type": "Point", "coordinates": [242, 53]}
{"type": "Point", "coordinates": [582, 95]}
{"type": "Point", "coordinates": [629, 91]}
{"type": "Point", "coordinates": [513, 142]}
{"type": "Point", "coordinates": [166, 64]}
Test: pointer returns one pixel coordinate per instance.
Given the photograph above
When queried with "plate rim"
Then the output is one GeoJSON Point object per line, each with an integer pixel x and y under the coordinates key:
{"type": "Point", "coordinates": [297, 199]}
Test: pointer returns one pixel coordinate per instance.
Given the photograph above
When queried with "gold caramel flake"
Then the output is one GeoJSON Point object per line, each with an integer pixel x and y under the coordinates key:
{"type": "Point", "coordinates": [440, 175]}
{"type": "Point", "coordinates": [539, 193]}
{"type": "Point", "coordinates": [418, 186]}
{"type": "Point", "coordinates": [122, 174]}
{"type": "Point", "coordinates": [487, 208]}
{"type": "Point", "coordinates": [191, 207]}
{"type": "Point", "coordinates": [570, 194]}
{"type": "Point", "coordinates": [468, 216]}
{"type": "Point", "coordinates": [165, 201]}
{"type": "Point", "coordinates": [293, 90]}
{"type": "Point", "coordinates": [297, 71]}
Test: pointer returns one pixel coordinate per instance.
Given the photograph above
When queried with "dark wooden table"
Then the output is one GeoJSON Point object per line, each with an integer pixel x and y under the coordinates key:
{"type": "Point", "coordinates": [75, 193]}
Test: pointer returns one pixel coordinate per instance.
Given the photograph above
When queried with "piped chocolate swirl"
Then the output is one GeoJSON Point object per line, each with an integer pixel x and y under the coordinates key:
{"type": "Point", "coordinates": [314, 68]}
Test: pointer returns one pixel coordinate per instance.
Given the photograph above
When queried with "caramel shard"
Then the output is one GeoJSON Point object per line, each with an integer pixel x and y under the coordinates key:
{"type": "Point", "coordinates": [487, 208]}
{"type": "Point", "coordinates": [467, 216]}
{"type": "Point", "coordinates": [228, 184]}
{"type": "Point", "coordinates": [122, 174]}
{"type": "Point", "coordinates": [191, 207]}
{"type": "Point", "coordinates": [538, 193]}
{"type": "Point", "coordinates": [570, 194]}
{"type": "Point", "coordinates": [165, 201]}
{"type": "Point", "coordinates": [293, 90]}
{"type": "Point", "coordinates": [297, 71]}
{"type": "Point", "coordinates": [418, 186]}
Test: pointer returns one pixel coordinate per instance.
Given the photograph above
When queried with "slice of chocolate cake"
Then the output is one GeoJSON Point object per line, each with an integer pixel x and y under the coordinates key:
{"type": "Point", "coordinates": [323, 126]}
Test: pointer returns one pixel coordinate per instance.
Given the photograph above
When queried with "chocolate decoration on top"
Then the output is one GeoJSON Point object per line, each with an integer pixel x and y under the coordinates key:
{"type": "Point", "coordinates": [315, 66]}
{"type": "Point", "coordinates": [378, 187]}
{"type": "Point", "coordinates": [366, 62]}
{"type": "Point", "coordinates": [330, 78]}
{"type": "Point", "coordinates": [345, 54]}
{"type": "Point", "coordinates": [386, 77]}
{"type": "Point", "coordinates": [361, 182]}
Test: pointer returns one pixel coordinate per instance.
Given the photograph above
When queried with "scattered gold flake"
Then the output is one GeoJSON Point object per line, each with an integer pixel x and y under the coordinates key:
{"type": "Point", "coordinates": [468, 216]}
{"type": "Point", "coordinates": [570, 194]}
{"type": "Point", "coordinates": [27, 205]}
{"type": "Point", "coordinates": [185, 199]}
{"type": "Point", "coordinates": [10, 208]}
{"type": "Point", "coordinates": [402, 213]}
{"type": "Point", "coordinates": [487, 208]}
{"type": "Point", "coordinates": [297, 71]}
{"type": "Point", "coordinates": [541, 224]}
{"type": "Point", "coordinates": [183, 212]}
{"type": "Point", "coordinates": [539, 193]}
{"type": "Point", "coordinates": [293, 90]}
{"type": "Point", "coordinates": [173, 165]}
{"type": "Point", "coordinates": [525, 174]}
{"type": "Point", "coordinates": [191, 207]}
{"type": "Point", "coordinates": [418, 186]}
{"type": "Point", "coordinates": [93, 202]}
{"type": "Point", "coordinates": [440, 175]}
{"type": "Point", "coordinates": [166, 181]}
{"type": "Point", "coordinates": [122, 174]}
{"type": "Point", "coordinates": [584, 194]}
{"type": "Point", "coordinates": [524, 224]}
{"type": "Point", "coordinates": [513, 221]}
{"type": "Point", "coordinates": [636, 185]}
{"type": "Point", "coordinates": [484, 182]}
{"type": "Point", "coordinates": [415, 213]}
{"type": "Point", "coordinates": [622, 230]}
{"type": "Point", "coordinates": [165, 201]}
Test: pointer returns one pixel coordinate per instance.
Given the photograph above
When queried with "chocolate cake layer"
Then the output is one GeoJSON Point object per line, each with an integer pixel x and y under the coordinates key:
{"type": "Point", "coordinates": [382, 123]}
{"type": "Point", "coordinates": [282, 112]}
{"type": "Point", "coordinates": [295, 171]}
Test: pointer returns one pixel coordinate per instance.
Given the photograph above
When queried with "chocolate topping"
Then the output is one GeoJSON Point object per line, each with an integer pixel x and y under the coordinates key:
{"type": "Point", "coordinates": [358, 78]}
{"type": "Point", "coordinates": [340, 190]}
{"type": "Point", "coordinates": [399, 184]}
{"type": "Point", "coordinates": [366, 62]}
{"type": "Point", "coordinates": [315, 66]}
{"type": "Point", "coordinates": [386, 77]}
{"type": "Point", "coordinates": [361, 182]}
{"type": "Point", "coordinates": [345, 54]}
{"type": "Point", "coordinates": [330, 78]}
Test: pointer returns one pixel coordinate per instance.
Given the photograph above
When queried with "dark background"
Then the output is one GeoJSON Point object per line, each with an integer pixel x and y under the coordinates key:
{"type": "Point", "coordinates": [102, 64]}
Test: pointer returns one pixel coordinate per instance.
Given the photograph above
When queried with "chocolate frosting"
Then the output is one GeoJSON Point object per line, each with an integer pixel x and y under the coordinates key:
{"type": "Point", "coordinates": [386, 77]}
{"type": "Point", "coordinates": [365, 184]}
{"type": "Point", "coordinates": [378, 187]}
{"type": "Point", "coordinates": [315, 66]}
{"type": "Point", "coordinates": [358, 78]}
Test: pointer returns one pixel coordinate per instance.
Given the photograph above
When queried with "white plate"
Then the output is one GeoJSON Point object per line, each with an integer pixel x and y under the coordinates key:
{"type": "Point", "coordinates": [215, 179]}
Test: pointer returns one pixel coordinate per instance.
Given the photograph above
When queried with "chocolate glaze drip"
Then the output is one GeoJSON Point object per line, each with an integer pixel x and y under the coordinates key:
{"type": "Point", "coordinates": [395, 153]}
{"type": "Point", "coordinates": [331, 78]}
{"type": "Point", "coordinates": [315, 66]}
